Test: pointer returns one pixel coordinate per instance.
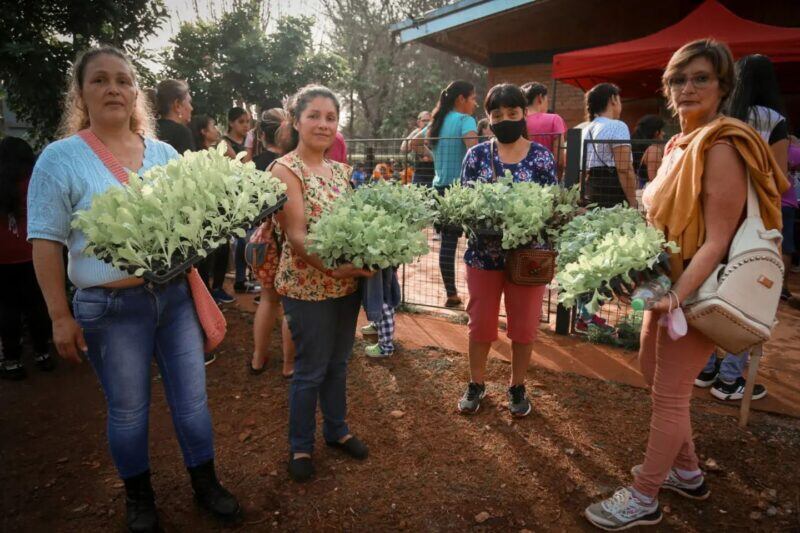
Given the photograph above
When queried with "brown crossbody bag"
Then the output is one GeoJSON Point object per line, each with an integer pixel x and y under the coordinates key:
{"type": "Point", "coordinates": [527, 266]}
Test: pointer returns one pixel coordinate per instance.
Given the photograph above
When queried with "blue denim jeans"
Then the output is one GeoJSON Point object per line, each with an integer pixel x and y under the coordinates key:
{"type": "Point", "coordinates": [732, 367]}
{"type": "Point", "coordinates": [124, 329]}
{"type": "Point", "coordinates": [323, 333]}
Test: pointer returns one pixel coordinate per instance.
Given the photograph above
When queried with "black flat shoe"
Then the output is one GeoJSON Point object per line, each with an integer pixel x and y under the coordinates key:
{"type": "Point", "coordinates": [352, 447]}
{"type": "Point", "coordinates": [44, 362]}
{"type": "Point", "coordinates": [301, 469]}
{"type": "Point", "coordinates": [256, 371]}
{"type": "Point", "coordinates": [12, 369]}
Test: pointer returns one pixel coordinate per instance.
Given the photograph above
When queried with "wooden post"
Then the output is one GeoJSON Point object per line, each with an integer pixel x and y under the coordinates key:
{"type": "Point", "coordinates": [752, 374]}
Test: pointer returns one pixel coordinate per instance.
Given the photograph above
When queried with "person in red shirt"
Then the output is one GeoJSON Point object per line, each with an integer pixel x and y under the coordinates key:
{"type": "Point", "coordinates": [545, 128]}
{"type": "Point", "coordinates": [338, 151]}
{"type": "Point", "coordinates": [20, 296]}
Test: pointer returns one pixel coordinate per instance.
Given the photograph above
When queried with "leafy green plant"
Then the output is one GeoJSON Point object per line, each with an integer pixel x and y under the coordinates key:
{"type": "Point", "coordinates": [175, 211]}
{"type": "Point", "coordinates": [373, 227]}
{"type": "Point", "coordinates": [523, 212]}
{"type": "Point", "coordinates": [413, 203]}
{"type": "Point", "coordinates": [604, 247]}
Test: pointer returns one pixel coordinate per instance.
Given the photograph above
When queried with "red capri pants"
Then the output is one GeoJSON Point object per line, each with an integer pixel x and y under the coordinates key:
{"type": "Point", "coordinates": [523, 306]}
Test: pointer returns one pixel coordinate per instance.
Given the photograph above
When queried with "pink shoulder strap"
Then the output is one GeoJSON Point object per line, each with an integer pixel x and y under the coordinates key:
{"type": "Point", "coordinates": [104, 154]}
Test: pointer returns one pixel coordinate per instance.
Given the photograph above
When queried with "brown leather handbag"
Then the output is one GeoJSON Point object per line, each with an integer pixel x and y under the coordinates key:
{"type": "Point", "coordinates": [530, 266]}
{"type": "Point", "coordinates": [527, 266]}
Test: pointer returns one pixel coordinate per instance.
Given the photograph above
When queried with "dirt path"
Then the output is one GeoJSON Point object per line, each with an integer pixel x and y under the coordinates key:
{"type": "Point", "coordinates": [430, 469]}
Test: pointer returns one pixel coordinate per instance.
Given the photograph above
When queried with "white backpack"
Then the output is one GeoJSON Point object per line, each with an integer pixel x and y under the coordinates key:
{"type": "Point", "coordinates": [736, 306]}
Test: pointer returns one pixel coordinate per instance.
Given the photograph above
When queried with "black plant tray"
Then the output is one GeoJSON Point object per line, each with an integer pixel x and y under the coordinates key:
{"type": "Point", "coordinates": [164, 276]}
{"type": "Point", "coordinates": [483, 232]}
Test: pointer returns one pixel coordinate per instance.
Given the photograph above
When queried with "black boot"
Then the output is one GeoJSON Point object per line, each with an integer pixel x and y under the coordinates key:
{"type": "Point", "coordinates": [140, 504]}
{"type": "Point", "coordinates": [212, 496]}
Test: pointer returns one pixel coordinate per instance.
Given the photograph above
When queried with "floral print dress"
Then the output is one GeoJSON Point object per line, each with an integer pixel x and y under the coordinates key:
{"type": "Point", "coordinates": [486, 253]}
{"type": "Point", "coordinates": [295, 278]}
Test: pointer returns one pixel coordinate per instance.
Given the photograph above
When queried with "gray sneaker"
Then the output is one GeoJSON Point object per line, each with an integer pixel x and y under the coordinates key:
{"type": "Point", "coordinates": [623, 511]}
{"type": "Point", "coordinates": [694, 489]}
{"type": "Point", "coordinates": [518, 402]}
{"type": "Point", "coordinates": [471, 401]}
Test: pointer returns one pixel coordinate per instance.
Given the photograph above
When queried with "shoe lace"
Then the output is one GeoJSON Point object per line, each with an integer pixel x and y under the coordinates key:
{"type": "Point", "coordinates": [618, 501]}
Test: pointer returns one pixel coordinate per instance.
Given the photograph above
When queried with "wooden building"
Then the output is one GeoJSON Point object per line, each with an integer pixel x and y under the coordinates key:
{"type": "Point", "coordinates": [518, 39]}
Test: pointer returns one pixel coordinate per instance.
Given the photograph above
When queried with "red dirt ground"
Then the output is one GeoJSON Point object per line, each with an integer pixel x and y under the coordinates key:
{"type": "Point", "coordinates": [429, 470]}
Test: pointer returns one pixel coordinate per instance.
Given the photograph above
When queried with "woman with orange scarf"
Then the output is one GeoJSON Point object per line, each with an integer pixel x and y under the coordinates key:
{"type": "Point", "coordinates": [697, 198]}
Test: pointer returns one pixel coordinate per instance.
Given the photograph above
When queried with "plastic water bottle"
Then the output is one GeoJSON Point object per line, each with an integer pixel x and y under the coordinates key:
{"type": "Point", "coordinates": [649, 293]}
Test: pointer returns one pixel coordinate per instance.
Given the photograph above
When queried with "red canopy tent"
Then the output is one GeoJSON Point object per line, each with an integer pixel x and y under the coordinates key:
{"type": "Point", "coordinates": [636, 66]}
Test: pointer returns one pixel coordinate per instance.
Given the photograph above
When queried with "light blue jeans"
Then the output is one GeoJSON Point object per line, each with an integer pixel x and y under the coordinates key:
{"type": "Point", "coordinates": [124, 329]}
{"type": "Point", "coordinates": [732, 367]}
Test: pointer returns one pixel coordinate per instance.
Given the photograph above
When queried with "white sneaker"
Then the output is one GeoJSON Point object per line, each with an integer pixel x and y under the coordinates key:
{"type": "Point", "coordinates": [623, 511]}
{"type": "Point", "coordinates": [369, 329]}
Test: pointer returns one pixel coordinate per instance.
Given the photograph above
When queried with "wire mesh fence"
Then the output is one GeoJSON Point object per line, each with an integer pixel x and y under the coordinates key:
{"type": "Point", "coordinates": [614, 171]}
{"type": "Point", "coordinates": [610, 172]}
{"type": "Point", "coordinates": [438, 279]}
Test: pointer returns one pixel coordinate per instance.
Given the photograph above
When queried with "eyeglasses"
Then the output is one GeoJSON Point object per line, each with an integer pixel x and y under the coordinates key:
{"type": "Point", "coordinates": [700, 81]}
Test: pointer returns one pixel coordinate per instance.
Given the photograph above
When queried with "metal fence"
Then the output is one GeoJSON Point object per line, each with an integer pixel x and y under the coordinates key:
{"type": "Point", "coordinates": [429, 281]}
{"type": "Point", "coordinates": [601, 167]}
{"type": "Point", "coordinates": [441, 273]}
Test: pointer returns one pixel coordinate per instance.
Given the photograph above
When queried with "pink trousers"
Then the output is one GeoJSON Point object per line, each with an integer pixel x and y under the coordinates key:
{"type": "Point", "coordinates": [669, 367]}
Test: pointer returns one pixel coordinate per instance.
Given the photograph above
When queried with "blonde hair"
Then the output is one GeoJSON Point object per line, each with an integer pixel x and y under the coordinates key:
{"type": "Point", "coordinates": [75, 116]}
{"type": "Point", "coordinates": [717, 53]}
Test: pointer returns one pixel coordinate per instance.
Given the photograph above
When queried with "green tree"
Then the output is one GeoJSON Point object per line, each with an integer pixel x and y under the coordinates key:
{"type": "Point", "coordinates": [385, 83]}
{"type": "Point", "coordinates": [40, 38]}
{"type": "Point", "coordinates": [235, 59]}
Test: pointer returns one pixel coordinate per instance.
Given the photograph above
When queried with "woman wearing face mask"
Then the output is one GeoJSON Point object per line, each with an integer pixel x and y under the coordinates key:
{"type": "Point", "coordinates": [121, 324]}
{"type": "Point", "coordinates": [698, 200]}
{"type": "Point", "coordinates": [486, 279]}
{"type": "Point", "coordinates": [611, 179]}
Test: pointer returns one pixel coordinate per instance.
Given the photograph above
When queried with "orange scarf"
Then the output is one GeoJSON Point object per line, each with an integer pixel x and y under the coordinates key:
{"type": "Point", "coordinates": [677, 207]}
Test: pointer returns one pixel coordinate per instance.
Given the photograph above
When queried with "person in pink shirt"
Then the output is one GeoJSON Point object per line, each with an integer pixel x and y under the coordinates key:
{"type": "Point", "coordinates": [545, 128]}
{"type": "Point", "coordinates": [338, 151]}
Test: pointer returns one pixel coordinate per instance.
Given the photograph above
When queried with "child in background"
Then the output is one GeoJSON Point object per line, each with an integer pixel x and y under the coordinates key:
{"type": "Point", "coordinates": [383, 171]}
{"type": "Point", "coordinates": [358, 177]}
{"type": "Point", "coordinates": [380, 297]}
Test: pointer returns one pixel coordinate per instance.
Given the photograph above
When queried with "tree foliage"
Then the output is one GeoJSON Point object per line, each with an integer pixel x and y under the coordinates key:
{"type": "Point", "coordinates": [233, 59]}
{"type": "Point", "coordinates": [40, 38]}
{"type": "Point", "coordinates": [387, 83]}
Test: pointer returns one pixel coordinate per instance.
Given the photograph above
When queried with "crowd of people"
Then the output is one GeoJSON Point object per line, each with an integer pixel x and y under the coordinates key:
{"type": "Point", "coordinates": [732, 129]}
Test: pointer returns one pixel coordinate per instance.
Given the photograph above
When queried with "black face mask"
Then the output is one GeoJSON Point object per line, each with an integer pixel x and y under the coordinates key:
{"type": "Point", "coordinates": [508, 131]}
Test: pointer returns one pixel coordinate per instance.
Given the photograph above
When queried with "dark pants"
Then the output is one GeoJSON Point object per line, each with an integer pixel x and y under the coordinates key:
{"type": "Point", "coordinates": [323, 333]}
{"type": "Point", "coordinates": [447, 256]}
{"type": "Point", "coordinates": [21, 298]}
{"type": "Point", "coordinates": [603, 187]}
{"type": "Point", "coordinates": [423, 174]}
{"type": "Point", "coordinates": [215, 265]}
